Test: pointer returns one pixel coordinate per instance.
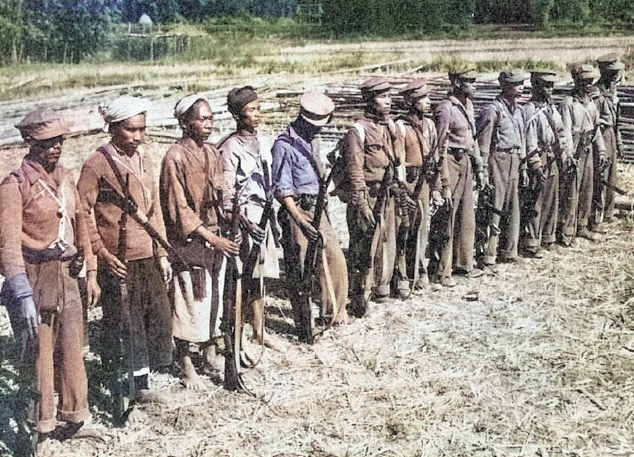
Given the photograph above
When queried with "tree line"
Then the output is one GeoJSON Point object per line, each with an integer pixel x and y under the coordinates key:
{"type": "Point", "coordinates": [70, 30]}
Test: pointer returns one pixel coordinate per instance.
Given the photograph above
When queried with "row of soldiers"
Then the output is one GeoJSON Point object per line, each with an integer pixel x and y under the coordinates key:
{"type": "Point", "coordinates": [175, 254]}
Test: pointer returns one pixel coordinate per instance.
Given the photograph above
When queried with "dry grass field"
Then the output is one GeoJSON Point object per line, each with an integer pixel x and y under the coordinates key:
{"type": "Point", "coordinates": [541, 364]}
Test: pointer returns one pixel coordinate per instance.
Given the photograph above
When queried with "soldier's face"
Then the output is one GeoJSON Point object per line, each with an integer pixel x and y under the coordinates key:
{"type": "Point", "coordinates": [382, 103]}
{"type": "Point", "coordinates": [128, 135]}
{"type": "Point", "coordinates": [512, 91]}
{"type": "Point", "coordinates": [423, 104]}
{"type": "Point", "coordinates": [250, 114]}
{"type": "Point", "coordinates": [47, 152]}
{"type": "Point", "coordinates": [200, 122]}
{"type": "Point", "coordinates": [545, 89]}
{"type": "Point", "coordinates": [466, 87]}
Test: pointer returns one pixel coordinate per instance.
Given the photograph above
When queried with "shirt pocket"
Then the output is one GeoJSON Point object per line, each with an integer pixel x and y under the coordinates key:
{"type": "Point", "coordinates": [375, 156]}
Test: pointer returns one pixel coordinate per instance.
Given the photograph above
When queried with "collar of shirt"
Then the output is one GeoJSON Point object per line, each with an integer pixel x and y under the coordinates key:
{"type": "Point", "coordinates": [33, 171]}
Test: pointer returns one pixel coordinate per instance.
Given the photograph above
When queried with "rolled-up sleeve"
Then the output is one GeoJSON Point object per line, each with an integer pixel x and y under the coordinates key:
{"type": "Point", "coordinates": [282, 171]}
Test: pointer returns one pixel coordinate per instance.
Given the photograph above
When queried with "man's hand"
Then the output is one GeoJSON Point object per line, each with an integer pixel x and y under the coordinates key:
{"type": "Point", "coordinates": [482, 180]}
{"type": "Point", "coordinates": [166, 269]}
{"type": "Point", "coordinates": [253, 230]}
{"type": "Point", "coordinates": [446, 195]}
{"type": "Point", "coordinates": [93, 289]}
{"type": "Point", "coordinates": [308, 230]}
{"type": "Point", "coordinates": [620, 153]}
{"type": "Point", "coordinates": [406, 202]}
{"type": "Point", "coordinates": [368, 217]}
{"type": "Point", "coordinates": [541, 175]}
{"type": "Point", "coordinates": [28, 313]}
{"type": "Point", "coordinates": [571, 164]}
{"type": "Point", "coordinates": [524, 178]}
{"type": "Point", "coordinates": [602, 163]}
{"type": "Point", "coordinates": [224, 245]}
{"type": "Point", "coordinates": [117, 267]}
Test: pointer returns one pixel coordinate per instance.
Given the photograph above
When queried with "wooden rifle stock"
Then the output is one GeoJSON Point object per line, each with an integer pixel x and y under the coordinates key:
{"type": "Point", "coordinates": [232, 330]}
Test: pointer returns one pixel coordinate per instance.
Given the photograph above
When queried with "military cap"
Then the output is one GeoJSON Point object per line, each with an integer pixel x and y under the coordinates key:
{"type": "Point", "coordinates": [543, 76]}
{"type": "Point", "coordinates": [41, 125]}
{"type": "Point", "coordinates": [316, 108]}
{"type": "Point", "coordinates": [512, 77]}
{"type": "Point", "coordinates": [416, 89]}
{"type": "Point", "coordinates": [610, 62]}
{"type": "Point", "coordinates": [463, 75]}
{"type": "Point", "coordinates": [583, 71]}
{"type": "Point", "coordinates": [375, 85]}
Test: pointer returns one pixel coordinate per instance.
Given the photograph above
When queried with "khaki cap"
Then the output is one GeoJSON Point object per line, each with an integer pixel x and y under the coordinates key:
{"type": "Point", "coordinates": [416, 89]}
{"type": "Point", "coordinates": [512, 77]}
{"type": "Point", "coordinates": [584, 71]}
{"type": "Point", "coordinates": [610, 62]}
{"type": "Point", "coordinates": [41, 125]}
{"type": "Point", "coordinates": [375, 85]}
{"type": "Point", "coordinates": [543, 76]}
{"type": "Point", "coordinates": [463, 75]}
{"type": "Point", "coordinates": [316, 108]}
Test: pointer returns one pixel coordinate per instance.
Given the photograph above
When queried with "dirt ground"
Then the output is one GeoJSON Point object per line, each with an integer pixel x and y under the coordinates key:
{"type": "Point", "coordinates": [539, 365]}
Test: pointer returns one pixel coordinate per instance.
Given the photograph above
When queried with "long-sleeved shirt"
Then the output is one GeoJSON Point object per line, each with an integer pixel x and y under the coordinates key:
{"type": "Point", "coordinates": [191, 188]}
{"type": "Point", "coordinates": [421, 143]}
{"type": "Point", "coordinates": [609, 105]}
{"type": "Point", "coordinates": [102, 216]}
{"type": "Point", "coordinates": [539, 130]}
{"type": "Point", "coordinates": [247, 168]}
{"type": "Point", "coordinates": [38, 209]}
{"type": "Point", "coordinates": [294, 167]}
{"type": "Point", "coordinates": [581, 117]}
{"type": "Point", "coordinates": [455, 124]}
{"type": "Point", "coordinates": [501, 128]}
{"type": "Point", "coordinates": [368, 158]}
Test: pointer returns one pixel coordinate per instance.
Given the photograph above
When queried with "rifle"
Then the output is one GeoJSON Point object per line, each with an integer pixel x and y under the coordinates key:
{"type": "Point", "coordinates": [616, 189]}
{"type": "Point", "coordinates": [313, 250]}
{"type": "Point", "coordinates": [27, 406]}
{"type": "Point", "coordinates": [233, 380]}
{"type": "Point", "coordinates": [129, 207]}
{"type": "Point", "coordinates": [252, 259]}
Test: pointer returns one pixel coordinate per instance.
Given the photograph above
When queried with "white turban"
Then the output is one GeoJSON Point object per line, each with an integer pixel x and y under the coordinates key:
{"type": "Point", "coordinates": [187, 102]}
{"type": "Point", "coordinates": [123, 108]}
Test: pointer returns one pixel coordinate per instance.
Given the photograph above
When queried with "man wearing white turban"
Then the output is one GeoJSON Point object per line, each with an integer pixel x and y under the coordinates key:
{"type": "Point", "coordinates": [143, 322]}
{"type": "Point", "coordinates": [191, 189]}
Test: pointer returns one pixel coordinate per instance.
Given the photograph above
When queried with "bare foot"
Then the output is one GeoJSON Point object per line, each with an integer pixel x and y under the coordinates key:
{"type": "Point", "coordinates": [342, 319]}
{"type": "Point", "coordinates": [190, 377]}
{"type": "Point", "coordinates": [136, 416]}
{"type": "Point", "coordinates": [151, 396]}
{"type": "Point", "coordinates": [212, 359]}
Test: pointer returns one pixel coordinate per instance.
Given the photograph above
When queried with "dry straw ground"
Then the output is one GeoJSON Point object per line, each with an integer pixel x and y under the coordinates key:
{"type": "Point", "coordinates": [540, 365]}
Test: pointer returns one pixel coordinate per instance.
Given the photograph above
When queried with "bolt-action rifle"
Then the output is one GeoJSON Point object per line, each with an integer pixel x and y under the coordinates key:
{"type": "Point", "coordinates": [232, 328]}
{"type": "Point", "coordinates": [311, 263]}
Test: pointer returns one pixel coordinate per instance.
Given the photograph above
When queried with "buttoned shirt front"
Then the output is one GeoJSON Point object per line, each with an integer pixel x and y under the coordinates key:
{"type": "Point", "coordinates": [293, 167]}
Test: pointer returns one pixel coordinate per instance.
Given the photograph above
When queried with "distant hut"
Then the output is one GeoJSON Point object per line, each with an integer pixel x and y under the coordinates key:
{"type": "Point", "coordinates": [146, 23]}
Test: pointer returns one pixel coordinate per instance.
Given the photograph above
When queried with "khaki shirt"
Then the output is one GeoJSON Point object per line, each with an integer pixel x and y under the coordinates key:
{"type": "Point", "coordinates": [102, 217]}
{"type": "Point", "coordinates": [581, 116]}
{"type": "Point", "coordinates": [191, 188]}
{"type": "Point", "coordinates": [30, 215]}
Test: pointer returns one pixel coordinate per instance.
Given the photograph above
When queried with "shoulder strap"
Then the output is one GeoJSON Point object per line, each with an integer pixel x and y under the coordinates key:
{"type": "Point", "coordinates": [116, 172]}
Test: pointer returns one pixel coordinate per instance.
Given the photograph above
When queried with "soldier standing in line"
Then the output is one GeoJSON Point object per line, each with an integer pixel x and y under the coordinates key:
{"type": "Point", "coordinates": [422, 173]}
{"type": "Point", "coordinates": [191, 192]}
{"type": "Point", "coordinates": [297, 177]}
{"type": "Point", "coordinates": [546, 150]}
{"type": "Point", "coordinates": [43, 242]}
{"type": "Point", "coordinates": [372, 152]}
{"type": "Point", "coordinates": [582, 126]}
{"type": "Point", "coordinates": [247, 159]}
{"type": "Point", "coordinates": [147, 328]}
{"type": "Point", "coordinates": [503, 148]}
{"type": "Point", "coordinates": [611, 71]}
{"type": "Point", "coordinates": [454, 233]}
